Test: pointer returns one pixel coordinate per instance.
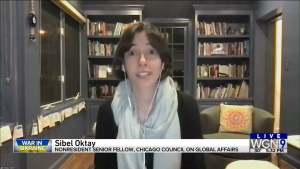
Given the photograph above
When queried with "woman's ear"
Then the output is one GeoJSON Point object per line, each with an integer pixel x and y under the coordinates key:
{"type": "Point", "coordinates": [163, 66]}
{"type": "Point", "coordinates": [123, 68]}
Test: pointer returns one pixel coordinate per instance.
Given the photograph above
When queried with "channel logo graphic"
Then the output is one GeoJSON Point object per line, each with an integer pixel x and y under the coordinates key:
{"type": "Point", "coordinates": [268, 143]}
{"type": "Point", "coordinates": [32, 146]}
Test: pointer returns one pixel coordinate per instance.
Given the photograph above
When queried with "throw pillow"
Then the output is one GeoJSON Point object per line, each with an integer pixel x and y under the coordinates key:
{"type": "Point", "coordinates": [235, 119]}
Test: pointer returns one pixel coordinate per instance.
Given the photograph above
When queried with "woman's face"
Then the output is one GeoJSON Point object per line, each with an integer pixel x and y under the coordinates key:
{"type": "Point", "coordinates": [142, 62]}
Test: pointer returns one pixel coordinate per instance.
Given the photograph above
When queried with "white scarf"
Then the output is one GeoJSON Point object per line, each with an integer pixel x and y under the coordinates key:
{"type": "Point", "coordinates": [162, 123]}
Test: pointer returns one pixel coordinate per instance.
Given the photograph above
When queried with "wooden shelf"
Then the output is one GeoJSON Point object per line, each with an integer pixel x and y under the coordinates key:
{"type": "Point", "coordinates": [100, 57]}
{"type": "Point", "coordinates": [221, 56]}
{"type": "Point", "coordinates": [224, 36]}
{"type": "Point", "coordinates": [224, 78]}
{"type": "Point", "coordinates": [96, 100]}
{"type": "Point", "coordinates": [110, 78]}
{"type": "Point", "coordinates": [176, 44]}
{"type": "Point", "coordinates": [226, 100]}
{"type": "Point", "coordinates": [102, 37]}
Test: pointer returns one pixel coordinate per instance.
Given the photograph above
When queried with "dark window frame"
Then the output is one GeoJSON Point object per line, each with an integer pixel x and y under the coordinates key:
{"type": "Point", "coordinates": [72, 52]}
{"type": "Point", "coordinates": [63, 98]}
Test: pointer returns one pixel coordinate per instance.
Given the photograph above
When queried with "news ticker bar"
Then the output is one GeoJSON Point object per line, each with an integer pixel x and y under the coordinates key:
{"type": "Point", "coordinates": [138, 146]}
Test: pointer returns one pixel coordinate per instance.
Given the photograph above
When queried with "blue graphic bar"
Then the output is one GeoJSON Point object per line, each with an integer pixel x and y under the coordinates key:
{"type": "Point", "coordinates": [32, 146]}
{"type": "Point", "coordinates": [268, 136]}
{"type": "Point", "coordinates": [29, 142]}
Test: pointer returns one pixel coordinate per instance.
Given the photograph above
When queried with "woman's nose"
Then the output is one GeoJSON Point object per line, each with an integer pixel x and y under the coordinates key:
{"type": "Point", "coordinates": [142, 60]}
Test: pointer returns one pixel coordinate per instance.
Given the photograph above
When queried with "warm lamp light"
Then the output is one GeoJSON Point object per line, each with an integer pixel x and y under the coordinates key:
{"type": "Point", "coordinates": [108, 69]}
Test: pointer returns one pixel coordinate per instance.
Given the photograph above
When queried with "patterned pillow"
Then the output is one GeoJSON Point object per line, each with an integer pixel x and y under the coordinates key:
{"type": "Point", "coordinates": [235, 119]}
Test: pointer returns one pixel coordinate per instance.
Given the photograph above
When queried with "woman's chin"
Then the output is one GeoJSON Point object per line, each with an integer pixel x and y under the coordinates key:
{"type": "Point", "coordinates": [144, 82]}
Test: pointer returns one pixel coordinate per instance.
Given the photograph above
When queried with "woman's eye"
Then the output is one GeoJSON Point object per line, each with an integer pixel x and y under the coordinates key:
{"type": "Point", "coordinates": [131, 53]}
{"type": "Point", "coordinates": [152, 52]}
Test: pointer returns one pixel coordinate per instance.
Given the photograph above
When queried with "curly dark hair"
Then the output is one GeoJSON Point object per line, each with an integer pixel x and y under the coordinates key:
{"type": "Point", "coordinates": [156, 40]}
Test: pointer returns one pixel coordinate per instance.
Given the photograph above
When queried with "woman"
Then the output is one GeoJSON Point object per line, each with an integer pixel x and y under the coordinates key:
{"type": "Point", "coordinates": [147, 105]}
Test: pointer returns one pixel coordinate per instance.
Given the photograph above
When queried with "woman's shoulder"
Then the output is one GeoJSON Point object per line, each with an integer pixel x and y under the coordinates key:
{"type": "Point", "coordinates": [106, 105]}
{"type": "Point", "coordinates": [187, 105]}
{"type": "Point", "coordinates": [189, 116]}
{"type": "Point", "coordinates": [105, 109]}
{"type": "Point", "coordinates": [185, 99]}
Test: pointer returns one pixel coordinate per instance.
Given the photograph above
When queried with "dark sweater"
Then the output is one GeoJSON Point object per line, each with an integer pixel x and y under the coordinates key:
{"type": "Point", "coordinates": [189, 119]}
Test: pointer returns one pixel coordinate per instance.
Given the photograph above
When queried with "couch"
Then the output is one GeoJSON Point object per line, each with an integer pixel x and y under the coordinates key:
{"type": "Point", "coordinates": [262, 122]}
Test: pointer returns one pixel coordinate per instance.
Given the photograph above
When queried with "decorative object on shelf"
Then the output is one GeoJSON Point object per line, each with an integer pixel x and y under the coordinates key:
{"type": "Point", "coordinates": [230, 31]}
{"type": "Point", "coordinates": [237, 31]}
{"type": "Point", "coordinates": [32, 22]}
{"type": "Point", "coordinates": [243, 31]}
{"type": "Point", "coordinates": [94, 93]}
{"type": "Point", "coordinates": [246, 72]}
{"type": "Point", "coordinates": [109, 71]}
{"type": "Point", "coordinates": [218, 49]}
{"type": "Point", "coordinates": [205, 74]}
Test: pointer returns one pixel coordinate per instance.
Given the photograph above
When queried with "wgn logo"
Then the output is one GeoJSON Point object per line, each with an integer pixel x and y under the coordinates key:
{"type": "Point", "coordinates": [268, 143]}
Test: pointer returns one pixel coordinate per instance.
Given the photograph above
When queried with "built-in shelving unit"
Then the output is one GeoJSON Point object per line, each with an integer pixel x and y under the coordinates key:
{"type": "Point", "coordinates": [223, 54]}
{"type": "Point", "coordinates": [103, 27]}
{"type": "Point", "coordinates": [103, 31]}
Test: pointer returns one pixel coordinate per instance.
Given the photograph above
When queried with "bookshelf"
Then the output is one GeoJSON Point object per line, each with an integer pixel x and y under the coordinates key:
{"type": "Point", "coordinates": [223, 59]}
{"type": "Point", "coordinates": [104, 28]}
{"type": "Point", "coordinates": [102, 84]}
{"type": "Point", "coordinates": [174, 30]}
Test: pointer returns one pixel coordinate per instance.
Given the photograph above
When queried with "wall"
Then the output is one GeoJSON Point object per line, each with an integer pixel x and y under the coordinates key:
{"type": "Point", "coordinates": [290, 72]}
{"type": "Point", "coordinates": [11, 93]}
{"type": "Point", "coordinates": [20, 99]}
{"type": "Point", "coordinates": [76, 3]}
{"type": "Point", "coordinates": [9, 65]}
{"type": "Point", "coordinates": [165, 9]}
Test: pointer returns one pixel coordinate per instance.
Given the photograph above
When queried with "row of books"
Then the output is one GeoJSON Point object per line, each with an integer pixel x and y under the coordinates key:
{"type": "Point", "coordinates": [217, 28]}
{"type": "Point", "coordinates": [102, 91]}
{"type": "Point", "coordinates": [232, 48]}
{"type": "Point", "coordinates": [223, 92]}
{"type": "Point", "coordinates": [217, 70]}
{"type": "Point", "coordinates": [106, 29]}
{"type": "Point", "coordinates": [99, 49]}
{"type": "Point", "coordinates": [98, 71]}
